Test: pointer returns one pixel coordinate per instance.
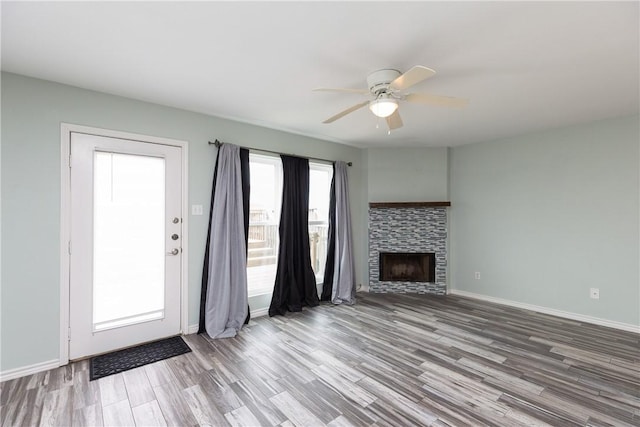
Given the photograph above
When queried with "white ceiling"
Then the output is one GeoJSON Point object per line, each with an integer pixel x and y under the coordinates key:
{"type": "Point", "coordinates": [525, 66]}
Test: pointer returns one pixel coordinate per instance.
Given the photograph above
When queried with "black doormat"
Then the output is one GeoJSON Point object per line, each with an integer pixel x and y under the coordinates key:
{"type": "Point", "coordinates": [134, 357]}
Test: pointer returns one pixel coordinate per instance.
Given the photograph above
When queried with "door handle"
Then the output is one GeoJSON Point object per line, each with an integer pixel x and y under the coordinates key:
{"type": "Point", "coordinates": [175, 251]}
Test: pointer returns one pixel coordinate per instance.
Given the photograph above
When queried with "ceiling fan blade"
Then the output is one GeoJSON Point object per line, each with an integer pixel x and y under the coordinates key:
{"type": "Point", "coordinates": [394, 121]}
{"type": "Point", "coordinates": [440, 101]}
{"type": "Point", "coordinates": [339, 89]}
{"type": "Point", "coordinates": [411, 77]}
{"type": "Point", "coordinates": [345, 112]}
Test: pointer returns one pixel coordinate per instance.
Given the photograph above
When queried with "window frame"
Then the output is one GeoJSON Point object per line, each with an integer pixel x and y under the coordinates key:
{"type": "Point", "coordinates": [328, 168]}
{"type": "Point", "coordinates": [277, 202]}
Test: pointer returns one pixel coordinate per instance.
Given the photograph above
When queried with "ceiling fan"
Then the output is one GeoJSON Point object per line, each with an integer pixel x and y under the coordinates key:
{"type": "Point", "coordinates": [387, 89]}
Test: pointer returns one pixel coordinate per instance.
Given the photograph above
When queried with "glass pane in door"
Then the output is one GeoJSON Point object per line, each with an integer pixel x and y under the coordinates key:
{"type": "Point", "coordinates": [129, 239]}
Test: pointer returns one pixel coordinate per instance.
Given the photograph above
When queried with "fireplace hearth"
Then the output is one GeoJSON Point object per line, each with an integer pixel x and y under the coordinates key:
{"type": "Point", "coordinates": [407, 267]}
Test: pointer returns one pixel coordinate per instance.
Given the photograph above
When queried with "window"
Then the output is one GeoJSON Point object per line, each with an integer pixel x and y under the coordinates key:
{"type": "Point", "coordinates": [319, 193]}
{"type": "Point", "coordinates": [264, 216]}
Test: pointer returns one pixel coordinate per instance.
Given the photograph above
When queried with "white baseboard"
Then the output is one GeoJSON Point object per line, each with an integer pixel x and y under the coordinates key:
{"type": "Point", "coordinates": [545, 310]}
{"type": "Point", "coordinates": [193, 329]}
{"type": "Point", "coordinates": [10, 374]}
{"type": "Point", "coordinates": [259, 313]}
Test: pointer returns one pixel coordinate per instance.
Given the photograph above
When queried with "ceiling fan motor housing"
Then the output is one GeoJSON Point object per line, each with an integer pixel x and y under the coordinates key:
{"type": "Point", "coordinates": [379, 81]}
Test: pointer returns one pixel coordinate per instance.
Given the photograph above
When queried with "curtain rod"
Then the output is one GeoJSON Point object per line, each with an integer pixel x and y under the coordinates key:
{"type": "Point", "coordinates": [218, 143]}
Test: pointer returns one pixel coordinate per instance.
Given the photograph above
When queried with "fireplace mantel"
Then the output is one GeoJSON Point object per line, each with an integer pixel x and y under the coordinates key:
{"type": "Point", "coordinates": [409, 204]}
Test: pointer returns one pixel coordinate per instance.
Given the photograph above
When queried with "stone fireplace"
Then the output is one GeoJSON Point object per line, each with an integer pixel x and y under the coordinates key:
{"type": "Point", "coordinates": [408, 247]}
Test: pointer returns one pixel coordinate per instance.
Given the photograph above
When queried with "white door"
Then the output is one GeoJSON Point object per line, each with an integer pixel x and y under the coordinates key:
{"type": "Point", "coordinates": [126, 233]}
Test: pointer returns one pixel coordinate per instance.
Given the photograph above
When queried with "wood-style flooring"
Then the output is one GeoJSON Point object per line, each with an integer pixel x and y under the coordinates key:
{"type": "Point", "coordinates": [392, 360]}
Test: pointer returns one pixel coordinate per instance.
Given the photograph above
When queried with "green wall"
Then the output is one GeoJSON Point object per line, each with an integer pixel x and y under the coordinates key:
{"type": "Point", "coordinates": [32, 111]}
{"type": "Point", "coordinates": [407, 174]}
{"type": "Point", "coordinates": [546, 216]}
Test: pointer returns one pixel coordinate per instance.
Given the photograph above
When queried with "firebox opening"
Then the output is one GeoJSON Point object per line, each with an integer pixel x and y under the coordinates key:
{"type": "Point", "coordinates": [407, 267]}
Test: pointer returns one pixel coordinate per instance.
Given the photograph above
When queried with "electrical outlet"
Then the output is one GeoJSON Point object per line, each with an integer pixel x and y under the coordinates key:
{"type": "Point", "coordinates": [477, 275]}
{"type": "Point", "coordinates": [594, 293]}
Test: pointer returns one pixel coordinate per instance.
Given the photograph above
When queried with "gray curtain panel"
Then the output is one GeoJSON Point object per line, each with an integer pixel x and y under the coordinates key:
{"type": "Point", "coordinates": [344, 278]}
{"type": "Point", "coordinates": [227, 301]}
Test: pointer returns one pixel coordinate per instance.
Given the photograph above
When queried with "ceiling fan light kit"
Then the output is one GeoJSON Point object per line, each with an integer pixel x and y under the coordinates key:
{"type": "Point", "coordinates": [386, 86]}
{"type": "Point", "coordinates": [383, 106]}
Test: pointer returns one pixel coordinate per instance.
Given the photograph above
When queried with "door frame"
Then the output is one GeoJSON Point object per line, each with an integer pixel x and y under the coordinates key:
{"type": "Point", "coordinates": [65, 222]}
